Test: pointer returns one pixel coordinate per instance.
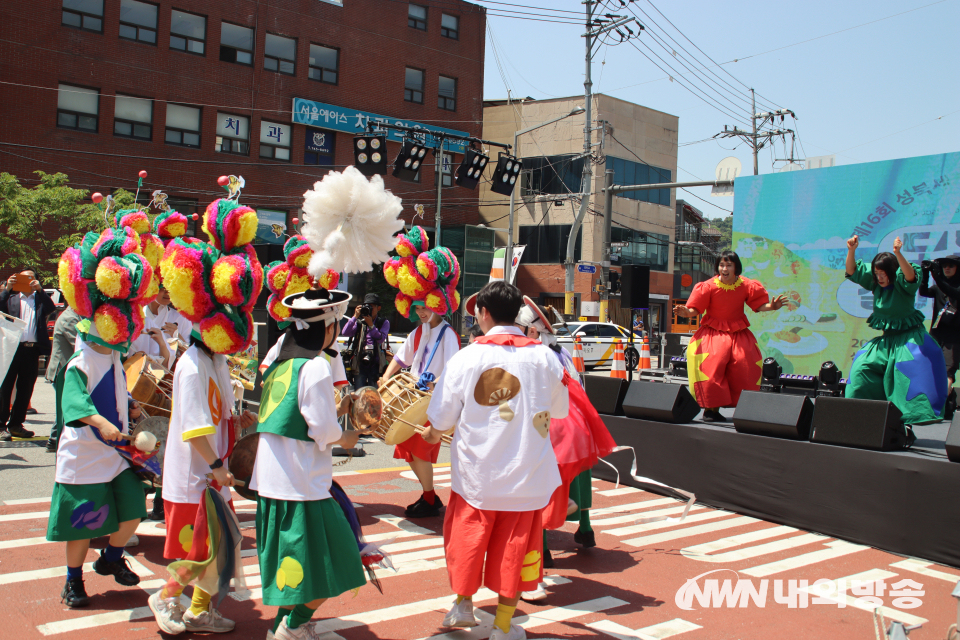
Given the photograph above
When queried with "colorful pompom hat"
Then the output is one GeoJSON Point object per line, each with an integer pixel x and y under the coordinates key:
{"type": "Point", "coordinates": [290, 275]}
{"type": "Point", "coordinates": [215, 285]}
{"type": "Point", "coordinates": [425, 277]}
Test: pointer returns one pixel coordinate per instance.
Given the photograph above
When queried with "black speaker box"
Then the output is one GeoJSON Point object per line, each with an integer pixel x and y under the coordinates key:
{"type": "Point", "coordinates": [774, 414]}
{"type": "Point", "coordinates": [635, 287]}
{"type": "Point", "coordinates": [660, 401]}
{"type": "Point", "coordinates": [606, 394]}
{"type": "Point", "coordinates": [952, 443]}
{"type": "Point", "coordinates": [852, 422]}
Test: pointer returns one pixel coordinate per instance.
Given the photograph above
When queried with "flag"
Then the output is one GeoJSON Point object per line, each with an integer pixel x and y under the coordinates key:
{"type": "Point", "coordinates": [496, 271]}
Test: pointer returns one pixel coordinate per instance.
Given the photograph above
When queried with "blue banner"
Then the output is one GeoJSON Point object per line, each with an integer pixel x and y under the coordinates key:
{"type": "Point", "coordinates": [354, 121]}
{"type": "Point", "coordinates": [790, 230]}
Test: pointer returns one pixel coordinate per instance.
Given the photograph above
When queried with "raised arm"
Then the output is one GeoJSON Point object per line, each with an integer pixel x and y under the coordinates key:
{"type": "Point", "coordinates": [852, 245]}
{"type": "Point", "coordinates": [908, 271]}
{"type": "Point", "coordinates": [773, 305]}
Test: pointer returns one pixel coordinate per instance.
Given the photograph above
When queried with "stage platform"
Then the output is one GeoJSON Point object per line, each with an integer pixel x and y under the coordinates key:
{"type": "Point", "coordinates": [904, 502]}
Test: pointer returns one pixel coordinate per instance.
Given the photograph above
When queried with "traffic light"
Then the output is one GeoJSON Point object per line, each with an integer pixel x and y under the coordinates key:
{"type": "Point", "coordinates": [614, 282]}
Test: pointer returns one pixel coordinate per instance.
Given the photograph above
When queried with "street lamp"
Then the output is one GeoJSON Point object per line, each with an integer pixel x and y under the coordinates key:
{"type": "Point", "coordinates": [508, 258]}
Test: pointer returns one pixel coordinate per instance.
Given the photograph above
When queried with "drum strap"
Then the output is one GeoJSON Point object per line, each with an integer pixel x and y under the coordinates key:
{"type": "Point", "coordinates": [426, 377]}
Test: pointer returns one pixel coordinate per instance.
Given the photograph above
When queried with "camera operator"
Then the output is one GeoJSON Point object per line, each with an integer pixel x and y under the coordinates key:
{"type": "Point", "coordinates": [945, 327]}
{"type": "Point", "coordinates": [369, 333]}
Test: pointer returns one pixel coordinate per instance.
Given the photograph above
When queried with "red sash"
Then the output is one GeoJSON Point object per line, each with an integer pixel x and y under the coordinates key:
{"type": "Point", "coordinates": [506, 340]}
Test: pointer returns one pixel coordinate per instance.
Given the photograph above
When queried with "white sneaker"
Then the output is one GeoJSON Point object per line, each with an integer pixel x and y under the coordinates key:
{"type": "Point", "coordinates": [168, 612]}
{"type": "Point", "coordinates": [208, 621]}
{"type": "Point", "coordinates": [306, 631]}
{"type": "Point", "coordinates": [516, 633]}
{"type": "Point", "coordinates": [461, 615]}
{"type": "Point", "coordinates": [535, 596]}
{"type": "Point", "coordinates": [133, 541]}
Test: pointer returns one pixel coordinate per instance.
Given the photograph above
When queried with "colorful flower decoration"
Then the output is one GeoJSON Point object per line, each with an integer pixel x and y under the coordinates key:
{"type": "Point", "coordinates": [289, 276]}
{"type": "Point", "coordinates": [215, 285]}
{"type": "Point", "coordinates": [170, 224]}
{"type": "Point", "coordinates": [423, 276]}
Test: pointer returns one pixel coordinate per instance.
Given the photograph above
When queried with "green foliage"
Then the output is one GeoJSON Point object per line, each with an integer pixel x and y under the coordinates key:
{"type": "Point", "coordinates": [52, 215]}
{"type": "Point", "coordinates": [725, 225]}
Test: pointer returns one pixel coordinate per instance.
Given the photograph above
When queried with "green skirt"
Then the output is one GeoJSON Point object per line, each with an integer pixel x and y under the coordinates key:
{"type": "Point", "coordinates": [86, 511]}
{"type": "Point", "coordinates": [307, 551]}
{"type": "Point", "coordinates": [905, 367]}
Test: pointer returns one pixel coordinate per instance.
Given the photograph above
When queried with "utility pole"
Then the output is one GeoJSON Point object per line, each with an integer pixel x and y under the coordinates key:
{"type": "Point", "coordinates": [759, 140]}
{"type": "Point", "coordinates": [607, 226]}
{"type": "Point", "coordinates": [595, 28]}
{"type": "Point", "coordinates": [436, 235]}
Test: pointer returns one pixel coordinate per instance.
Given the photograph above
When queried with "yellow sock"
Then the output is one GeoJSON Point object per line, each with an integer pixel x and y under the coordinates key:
{"type": "Point", "coordinates": [169, 592]}
{"type": "Point", "coordinates": [462, 598]}
{"type": "Point", "coordinates": [200, 602]}
{"type": "Point", "coordinates": [504, 615]}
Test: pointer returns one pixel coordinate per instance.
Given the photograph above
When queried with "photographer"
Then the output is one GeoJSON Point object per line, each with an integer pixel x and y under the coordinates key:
{"type": "Point", "coordinates": [369, 334]}
{"type": "Point", "coordinates": [945, 327]}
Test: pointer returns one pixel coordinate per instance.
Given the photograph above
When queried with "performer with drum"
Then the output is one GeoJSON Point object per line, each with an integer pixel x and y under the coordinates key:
{"type": "Point", "coordinates": [427, 280]}
{"type": "Point", "coordinates": [203, 428]}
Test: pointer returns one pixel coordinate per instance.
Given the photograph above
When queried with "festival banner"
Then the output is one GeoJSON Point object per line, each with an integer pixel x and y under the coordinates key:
{"type": "Point", "coordinates": [790, 231]}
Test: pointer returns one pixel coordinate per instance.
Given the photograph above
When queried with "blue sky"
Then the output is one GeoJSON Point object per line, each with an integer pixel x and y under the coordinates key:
{"type": "Point", "coordinates": [854, 92]}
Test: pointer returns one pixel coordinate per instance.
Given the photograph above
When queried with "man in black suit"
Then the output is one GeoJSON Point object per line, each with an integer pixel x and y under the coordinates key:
{"type": "Point", "coordinates": [33, 308]}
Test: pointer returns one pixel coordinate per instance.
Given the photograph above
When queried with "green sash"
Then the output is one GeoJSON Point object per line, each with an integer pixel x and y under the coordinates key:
{"type": "Point", "coordinates": [279, 406]}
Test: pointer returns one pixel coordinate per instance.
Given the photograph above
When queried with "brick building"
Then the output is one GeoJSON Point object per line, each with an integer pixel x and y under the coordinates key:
{"type": "Point", "coordinates": [189, 91]}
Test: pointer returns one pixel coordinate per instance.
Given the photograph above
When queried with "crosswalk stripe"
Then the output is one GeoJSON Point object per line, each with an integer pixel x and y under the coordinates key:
{"type": "Point", "coordinates": [423, 543]}
{"type": "Point", "coordinates": [539, 619]}
{"type": "Point", "coordinates": [633, 517]}
{"type": "Point", "coordinates": [873, 575]}
{"type": "Point", "coordinates": [404, 524]}
{"type": "Point", "coordinates": [56, 572]}
{"type": "Point", "coordinates": [622, 491]}
{"type": "Point", "coordinates": [23, 542]}
{"type": "Point", "coordinates": [922, 567]}
{"type": "Point", "coordinates": [837, 548]}
{"type": "Point", "coordinates": [686, 532]}
{"type": "Point", "coordinates": [96, 620]}
{"type": "Point", "coordinates": [33, 515]}
{"type": "Point", "coordinates": [658, 631]}
{"type": "Point", "coordinates": [706, 552]}
{"type": "Point", "coordinates": [639, 528]}
{"type": "Point", "coordinates": [621, 509]}
{"type": "Point", "coordinates": [12, 503]}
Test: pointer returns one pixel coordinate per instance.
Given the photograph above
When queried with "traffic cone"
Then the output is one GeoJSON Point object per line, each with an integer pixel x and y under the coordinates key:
{"type": "Point", "coordinates": [644, 356]}
{"type": "Point", "coordinates": [619, 369]}
{"type": "Point", "coordinates": [578, 355]}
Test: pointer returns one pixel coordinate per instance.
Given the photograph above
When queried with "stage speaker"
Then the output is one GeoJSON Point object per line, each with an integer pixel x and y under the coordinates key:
{"type": "Point", "coordinates": [635, 287]}
{"type": "Point", "coordinates": [774, 414]}
{"type": "Point", "coordinates": [606, 394]}
{"type": "Point", "coordinates": [660, 401]}
{"type": "Point", "coordinates": [852, 422]}
{"type": "Point", "coordinates": [952, 443]}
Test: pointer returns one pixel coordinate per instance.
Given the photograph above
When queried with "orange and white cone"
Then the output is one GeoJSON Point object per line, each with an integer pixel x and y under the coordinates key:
{"type": "Point", "coordinates": [644, 356]}
{"type": "Point", "coordinates": [619, 369]}
{"type": "Point", "coordinates": [578, 355]}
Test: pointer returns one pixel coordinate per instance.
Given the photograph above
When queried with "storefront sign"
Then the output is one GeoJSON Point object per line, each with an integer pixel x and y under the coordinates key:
{"type": "Point", "coordinates": [354, 121]}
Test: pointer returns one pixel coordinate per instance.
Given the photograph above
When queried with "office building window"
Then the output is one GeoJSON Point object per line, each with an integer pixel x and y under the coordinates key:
{"type": "Point", "coordinates": [413, 86]}
{"type": "Point", "coordinates": [280, 54]}
{"type": "Point", "coordinates": [233, 134]}
{"type": "Point", "coordinates": [188, 32]}
{"type": "Point", "coordinates": [645, 248]}
{"type": "Point", "coordinates": [324, 63]}
{"type": "Point", "coordinates": [183, 126]}
{"type": "Point", "coordinates": [236, 43]}
{"type": "Point", "coordinates": [138, 21]}
{"type": "Point", "coordinates": [450, 26]}
{"type": "Point", "coordinates": [551, 175]}
{"type": "Point", "coordinates": [448, 94]}
{"type": "Point", "coordinates": [133, 118]}
{"type": "Point", "coordinates": [547, 243]}
{"type": "Point", "coordinates": [318, 147]}
{"type": "Point", "coordinates": [629, 172]}
{"type": "Point", "coordinates": [417, 17]}
{"type": "Point", "coordinates": [78, 108]}
{"type": "Point", "coordinates": [83, 14]}
{"type": "Point", "coordinates": [275, 140]}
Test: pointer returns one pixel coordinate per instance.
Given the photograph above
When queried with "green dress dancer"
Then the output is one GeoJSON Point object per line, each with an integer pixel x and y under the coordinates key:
{"type": "Point", "coordinates": [904, 364]}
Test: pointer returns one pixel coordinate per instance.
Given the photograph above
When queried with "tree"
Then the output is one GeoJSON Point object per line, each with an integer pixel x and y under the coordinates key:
{"type": "Point", "coordinates": [725, 225]}
{"type": "Point", "coordinates": [39, 224]}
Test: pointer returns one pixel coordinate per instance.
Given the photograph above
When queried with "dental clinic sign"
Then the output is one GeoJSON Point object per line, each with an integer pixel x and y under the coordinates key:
{"type": "Point", "coordinates": [328, 116]}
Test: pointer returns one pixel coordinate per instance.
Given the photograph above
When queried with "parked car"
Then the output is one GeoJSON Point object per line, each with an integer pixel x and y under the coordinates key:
{"type": "Point", "coordinates": [597, 341]}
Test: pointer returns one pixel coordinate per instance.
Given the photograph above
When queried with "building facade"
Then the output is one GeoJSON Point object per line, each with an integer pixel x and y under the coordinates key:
{"type": "Point", "coordinates": [694, 257]}
{"type": "Point", "coordinates": [639, 145]}
{"type": "Point", "coordinates": [275, 92]}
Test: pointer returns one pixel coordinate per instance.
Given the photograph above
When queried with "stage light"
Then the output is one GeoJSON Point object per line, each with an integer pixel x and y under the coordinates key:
{"type": "Point", "coordinates": [770, 373]}
{"type": "Point", "coordinates": [369, 155]}
{"type": "Point", "coordinates": [470, 170]}
{"type": "Point", "coordinates": [829, 374]}
{"type": "Point", "coordinates": [407, 165]}
{"type": "Point", "coordinates": [506, 174]}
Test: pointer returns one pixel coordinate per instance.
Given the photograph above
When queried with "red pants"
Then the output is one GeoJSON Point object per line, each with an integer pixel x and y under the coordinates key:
{"type": "Point", "coordinates": [500, 550]}
{"type": "Point", "coordinates": [180, 517]}
{"type": "Point", "coordinates": [721, 365]}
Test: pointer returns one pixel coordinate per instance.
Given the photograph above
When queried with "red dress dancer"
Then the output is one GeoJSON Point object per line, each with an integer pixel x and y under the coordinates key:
{"type": "Point", "coordinates": [723, 359]}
